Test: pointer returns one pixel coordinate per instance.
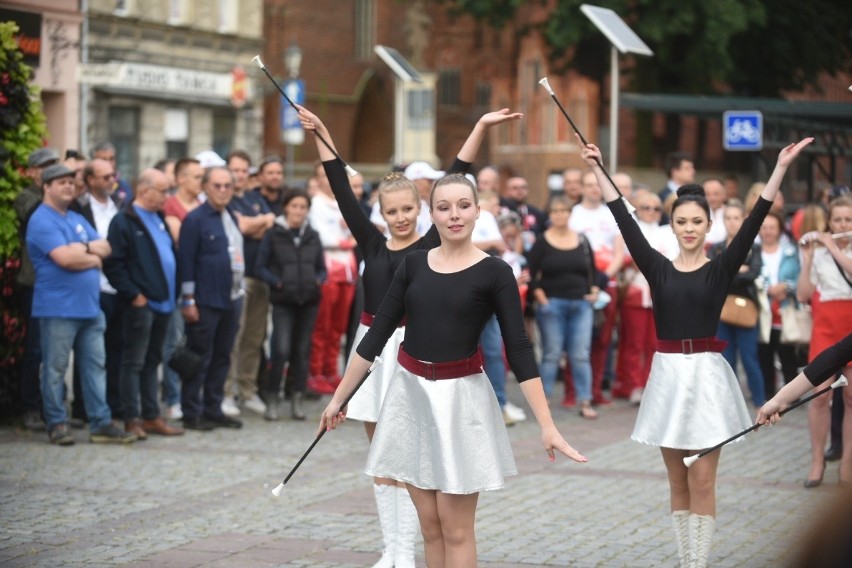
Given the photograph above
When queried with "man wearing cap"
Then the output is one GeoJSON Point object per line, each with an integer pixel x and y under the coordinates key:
{"type": "Point", "coordinates": [423, 175]}
{"type": "Point", "coordinates": [25, 203]}
{"type": "Point", "coordinates": [67, 254]}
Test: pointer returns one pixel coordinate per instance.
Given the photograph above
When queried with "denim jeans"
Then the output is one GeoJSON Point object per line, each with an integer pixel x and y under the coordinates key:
{"type": "Point", "coordinates": [292, 327]}
{"type": "Point", "coordinates": [566, 325]}
{"type": "Point", "coordinates": [492, 351]}
{"type": "Point", "coordinates": [213, 338]}
{"type": "Point", "coordinates": [86, 337]}
{"type": "Point", "coordinates": [744, 341]}
{"type": "Point", "coordinates": [144, 334]}
{"type": "Point", "coordinates": [171, 380]}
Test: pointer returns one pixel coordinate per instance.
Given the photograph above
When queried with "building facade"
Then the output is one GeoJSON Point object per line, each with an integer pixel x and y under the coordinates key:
{"type": "Point", "coordinates": [168, 78]}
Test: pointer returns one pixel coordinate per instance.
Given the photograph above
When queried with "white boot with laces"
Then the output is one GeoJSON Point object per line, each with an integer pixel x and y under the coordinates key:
{"type": "Point", "coordinates": [407, 527]}
{"type": "Point", "coordinates": [386, 506]}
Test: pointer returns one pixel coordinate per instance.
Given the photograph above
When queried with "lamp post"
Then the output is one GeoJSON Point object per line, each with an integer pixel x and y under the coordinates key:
{"type": "Point", "coordinates": [292, 132]}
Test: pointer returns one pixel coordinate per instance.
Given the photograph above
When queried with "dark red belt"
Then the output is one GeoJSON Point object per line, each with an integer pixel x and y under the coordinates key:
{"type": "Point", "coordinates": [436, 371]}
{"type": "Point", "coordinates": [367, 319]}
{"type": "Point", "coordinates": [688, 346]}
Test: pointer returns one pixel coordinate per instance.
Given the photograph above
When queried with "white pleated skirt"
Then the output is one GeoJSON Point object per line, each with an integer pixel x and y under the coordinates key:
{"type": "Point", "coordinates": [691, 402]}
{"type": "Point", "coordinates": [367, 401]}
{"type": "Point", "coordinates": [447, 435]}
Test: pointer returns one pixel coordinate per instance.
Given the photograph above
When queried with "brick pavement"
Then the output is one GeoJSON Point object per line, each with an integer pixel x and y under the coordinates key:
{"type": "Point", "coordinates": [204, 500]}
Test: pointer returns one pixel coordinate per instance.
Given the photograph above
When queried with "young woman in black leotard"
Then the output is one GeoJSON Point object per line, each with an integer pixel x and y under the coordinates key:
{"type": "Point", "coordinates": [399, 202]}
{"type": "Point", "coordinates": [692, 399]}
{"type": "Point", "coordinates": [441, 428]}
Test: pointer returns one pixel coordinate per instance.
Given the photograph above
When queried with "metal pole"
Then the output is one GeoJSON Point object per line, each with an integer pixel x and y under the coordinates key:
{"type": "Point", "coordinates": [613, 111]}
{"type": "Point", "coordinates": [289, 165]}
{"type": "Point", "coordinates": [84, 88]}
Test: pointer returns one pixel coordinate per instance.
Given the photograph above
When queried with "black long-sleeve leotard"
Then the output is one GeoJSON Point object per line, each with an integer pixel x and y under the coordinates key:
{"type": "Point", "coordinates": [830, 361]}
{"type": "Point", "coordinates": [380, 263]}
{"type": "Point", "coordinates": [687, 305]}
{"type": "Point", "coordinates": [447, 312]}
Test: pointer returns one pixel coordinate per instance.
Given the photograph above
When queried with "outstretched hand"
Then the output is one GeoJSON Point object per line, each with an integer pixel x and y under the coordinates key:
{"type": "Point", "coordinates": [499, 117]}
{"type": "Point", "coordinates": [590, 153]}
{"type": "Point", "coordinates": [789, 153]}
{"type": "Point", "coordinates": [553, 441]}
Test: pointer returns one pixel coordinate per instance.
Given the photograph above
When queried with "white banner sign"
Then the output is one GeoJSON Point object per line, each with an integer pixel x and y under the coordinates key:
{"type": "Point", "coordinates": [146, 78]}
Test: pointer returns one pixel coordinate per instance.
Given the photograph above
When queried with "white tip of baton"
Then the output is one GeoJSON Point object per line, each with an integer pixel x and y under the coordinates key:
{"type": "Point", "coordinates": [277, 490]}
{"type": "Point", "coordinates": [350, 171]}
{"type": "Point", "coordinates": [544, 83]}
{"type": "Point", "coordinates": [841, 382]}
{"type": "Point", "coordinates": [256, 60]}
{"type": "Point", "coordinates": [690, 460]}
{"type": "Point", "coordinates": [630, 208]}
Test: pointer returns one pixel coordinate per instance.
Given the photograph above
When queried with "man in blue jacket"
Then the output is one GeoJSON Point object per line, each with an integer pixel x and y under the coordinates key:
{"type": "Point", "coordinates": [211, 268]}
{"type": "Point", "coordinates": [143, 270]}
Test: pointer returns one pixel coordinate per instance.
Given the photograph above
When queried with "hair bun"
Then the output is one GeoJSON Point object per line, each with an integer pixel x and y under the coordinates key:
{"type": "Point", "coordinates": [690, 189]}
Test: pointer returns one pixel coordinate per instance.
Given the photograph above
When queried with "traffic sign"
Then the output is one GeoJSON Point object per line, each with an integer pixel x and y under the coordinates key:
{"type": "Point", "coordinates": [291, 128]}
{"type": "Point", "coordinates": [742, 130]}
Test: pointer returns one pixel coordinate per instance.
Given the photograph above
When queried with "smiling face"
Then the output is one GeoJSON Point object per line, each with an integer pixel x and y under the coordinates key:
{"type": "Point", "coordinates": [400, 209]}
{"type": "Point", "coordinates": [296, 211]}
{"type": "Point", "coordinates": [454, 211]}
{"type": "Point", "coordinates": [690, 226]}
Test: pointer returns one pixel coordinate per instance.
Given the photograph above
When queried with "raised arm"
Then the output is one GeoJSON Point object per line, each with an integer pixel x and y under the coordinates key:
{"type": "Point", "coordinates": [785, 158]}
{"type": "Point", "coordinates": [470, 148]}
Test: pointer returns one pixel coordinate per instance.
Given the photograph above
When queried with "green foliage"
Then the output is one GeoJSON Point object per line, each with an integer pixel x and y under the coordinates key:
{"type": "Point", "coordinates": [758, 47]}
{"type": "Point", "coordinates": [22, 130]}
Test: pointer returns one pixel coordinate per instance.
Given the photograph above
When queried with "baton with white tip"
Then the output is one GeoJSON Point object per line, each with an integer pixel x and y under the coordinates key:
{"type": "Point", "coordinates": [841, 382]}
{"type": "Point", "coordinates": [349, 169]}
{"type": "Point", "coordinates": [546, 84]}
{"type": "Point", "coordinates": [277, 490]}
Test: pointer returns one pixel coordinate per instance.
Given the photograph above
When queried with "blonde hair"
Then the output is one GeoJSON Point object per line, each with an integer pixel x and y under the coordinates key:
{"type": "Point", "coordinates": [450, 179]}
{"type": "Point", "coordinates": [814, 219]}
{"type": "Point", "coordinates": [396, 181]}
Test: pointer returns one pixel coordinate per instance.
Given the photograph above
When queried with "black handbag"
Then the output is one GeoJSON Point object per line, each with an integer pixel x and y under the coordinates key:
{"type": "Point", "coordinates": [184, 361]}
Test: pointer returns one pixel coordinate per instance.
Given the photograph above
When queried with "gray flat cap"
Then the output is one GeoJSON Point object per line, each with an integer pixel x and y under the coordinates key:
{"type": "Point", "coordinates": [56, 171]}
{"type": "Point", "coordinates": [42, 157]}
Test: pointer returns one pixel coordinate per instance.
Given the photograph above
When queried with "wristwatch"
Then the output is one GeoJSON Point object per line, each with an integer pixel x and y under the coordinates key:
{"type": "Point", "coordinates": [187, 302]}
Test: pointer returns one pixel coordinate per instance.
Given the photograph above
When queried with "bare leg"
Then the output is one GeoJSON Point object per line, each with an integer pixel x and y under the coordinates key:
{"type": "Point", "coordinates": [702, 484]}
{"type": "Point", "coordinates": [819, 422]}
{"type": "Point", "coordinates": [458, 516]}
{"type": "Point", "coordinates": [678, 478]}
{"type": "Point", "coordinates": [846, 456]}
{"type": "Point", "coordinates": [426, 502]}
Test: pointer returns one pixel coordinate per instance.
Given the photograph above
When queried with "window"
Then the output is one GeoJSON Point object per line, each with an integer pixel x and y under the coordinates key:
{"type": "Point", "coordinates": [365, 28]}
{"type": "Point", "coordinates": [177, 12]}
{"type": "Point", "coordinates": [123, 7]}
{"type": "Point", "coordinates": [483, 95]}
{"type": "Point", "coordinates": [449, 87]}
{"type": "Point", "coordinates": [229, 16]}
{"type": "Point", "coordinates": [176, 133]}
{"type": "Point", "coordinates": [420, 111]}
{"type": "Point", "coordinates": [224, 127]}
{"type": "Point", "coordinates": [123, 127]}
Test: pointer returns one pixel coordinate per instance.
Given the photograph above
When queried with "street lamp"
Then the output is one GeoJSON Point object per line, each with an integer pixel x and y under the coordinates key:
{"type": "Point", "coordinates": [291, 128]}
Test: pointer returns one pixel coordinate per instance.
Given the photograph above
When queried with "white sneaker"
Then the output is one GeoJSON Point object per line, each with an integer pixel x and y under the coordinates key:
{"type": "Point", "coordinates": [636, 395]}
{"type": "Point", "coordinates": [255, 405]}
{"type": "Point", "coordinates": [229, 407]}
{"type": "Point", "coordinates": [514, 412]}
{"type": "Point", "coordinates": [174, 412]}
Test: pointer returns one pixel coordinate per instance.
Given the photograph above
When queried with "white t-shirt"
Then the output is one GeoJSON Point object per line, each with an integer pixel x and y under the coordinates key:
{"type": "Point", "coordinates": [771, 265]}
{"type": "Point", "coordinates": [486, 228]}
{"type": "Point", "coordinates": [718, 232]}
{"type": "Point", "coordinates": [103, 214]}
{"type": "Point", "coordinates": [825, 275]}
{"type": "Point", "coordinates": [597, 224]}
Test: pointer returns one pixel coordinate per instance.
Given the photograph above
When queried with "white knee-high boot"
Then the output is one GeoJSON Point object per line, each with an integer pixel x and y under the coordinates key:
{"type": "Point", "coordinates": [701, 528]}
{"type": "Point", "coordinates": [386, 505]}
{"type": "Point", "coordinates": [680, 522]}
{"type": "Point", "coordinates": [407, 527]}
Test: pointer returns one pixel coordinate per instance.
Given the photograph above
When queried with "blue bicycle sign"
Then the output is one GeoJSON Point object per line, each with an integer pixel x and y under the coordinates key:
{"type": "Point", "coordinates": [742, 130]}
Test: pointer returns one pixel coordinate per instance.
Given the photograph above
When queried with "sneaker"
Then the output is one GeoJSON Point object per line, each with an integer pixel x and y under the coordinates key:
{"type": "Point", "coordinates": [636, 395]}
{"type": "Point", "coordinates": [223, 422]}
{"type": "Point", "coordinates": [602, 401]}
{"type": "Point", "coordinates": [229, 407]}
{"type": "Point", "coordinates": [33, 421]}
{"type": "Point", "coordinates": [508, 420]}
{"type": "Point", "coordinates": [174, 412]}
{"type": "Point", "coordinates": [61, 436]}
{"type": "Point", "coordinates": [517, 413]}
{"type": "Point", "coordinates": [111, 434]}
{"type": "Point", "coordinates": [255, 405]}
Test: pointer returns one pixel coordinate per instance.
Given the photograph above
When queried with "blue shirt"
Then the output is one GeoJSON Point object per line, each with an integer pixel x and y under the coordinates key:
{"type": "Point", "coordinates": [59, 292]}
{"type": "Point", "coordinates": [250, 204]}
{"type": "Point", "coordinates": [159, 232]}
